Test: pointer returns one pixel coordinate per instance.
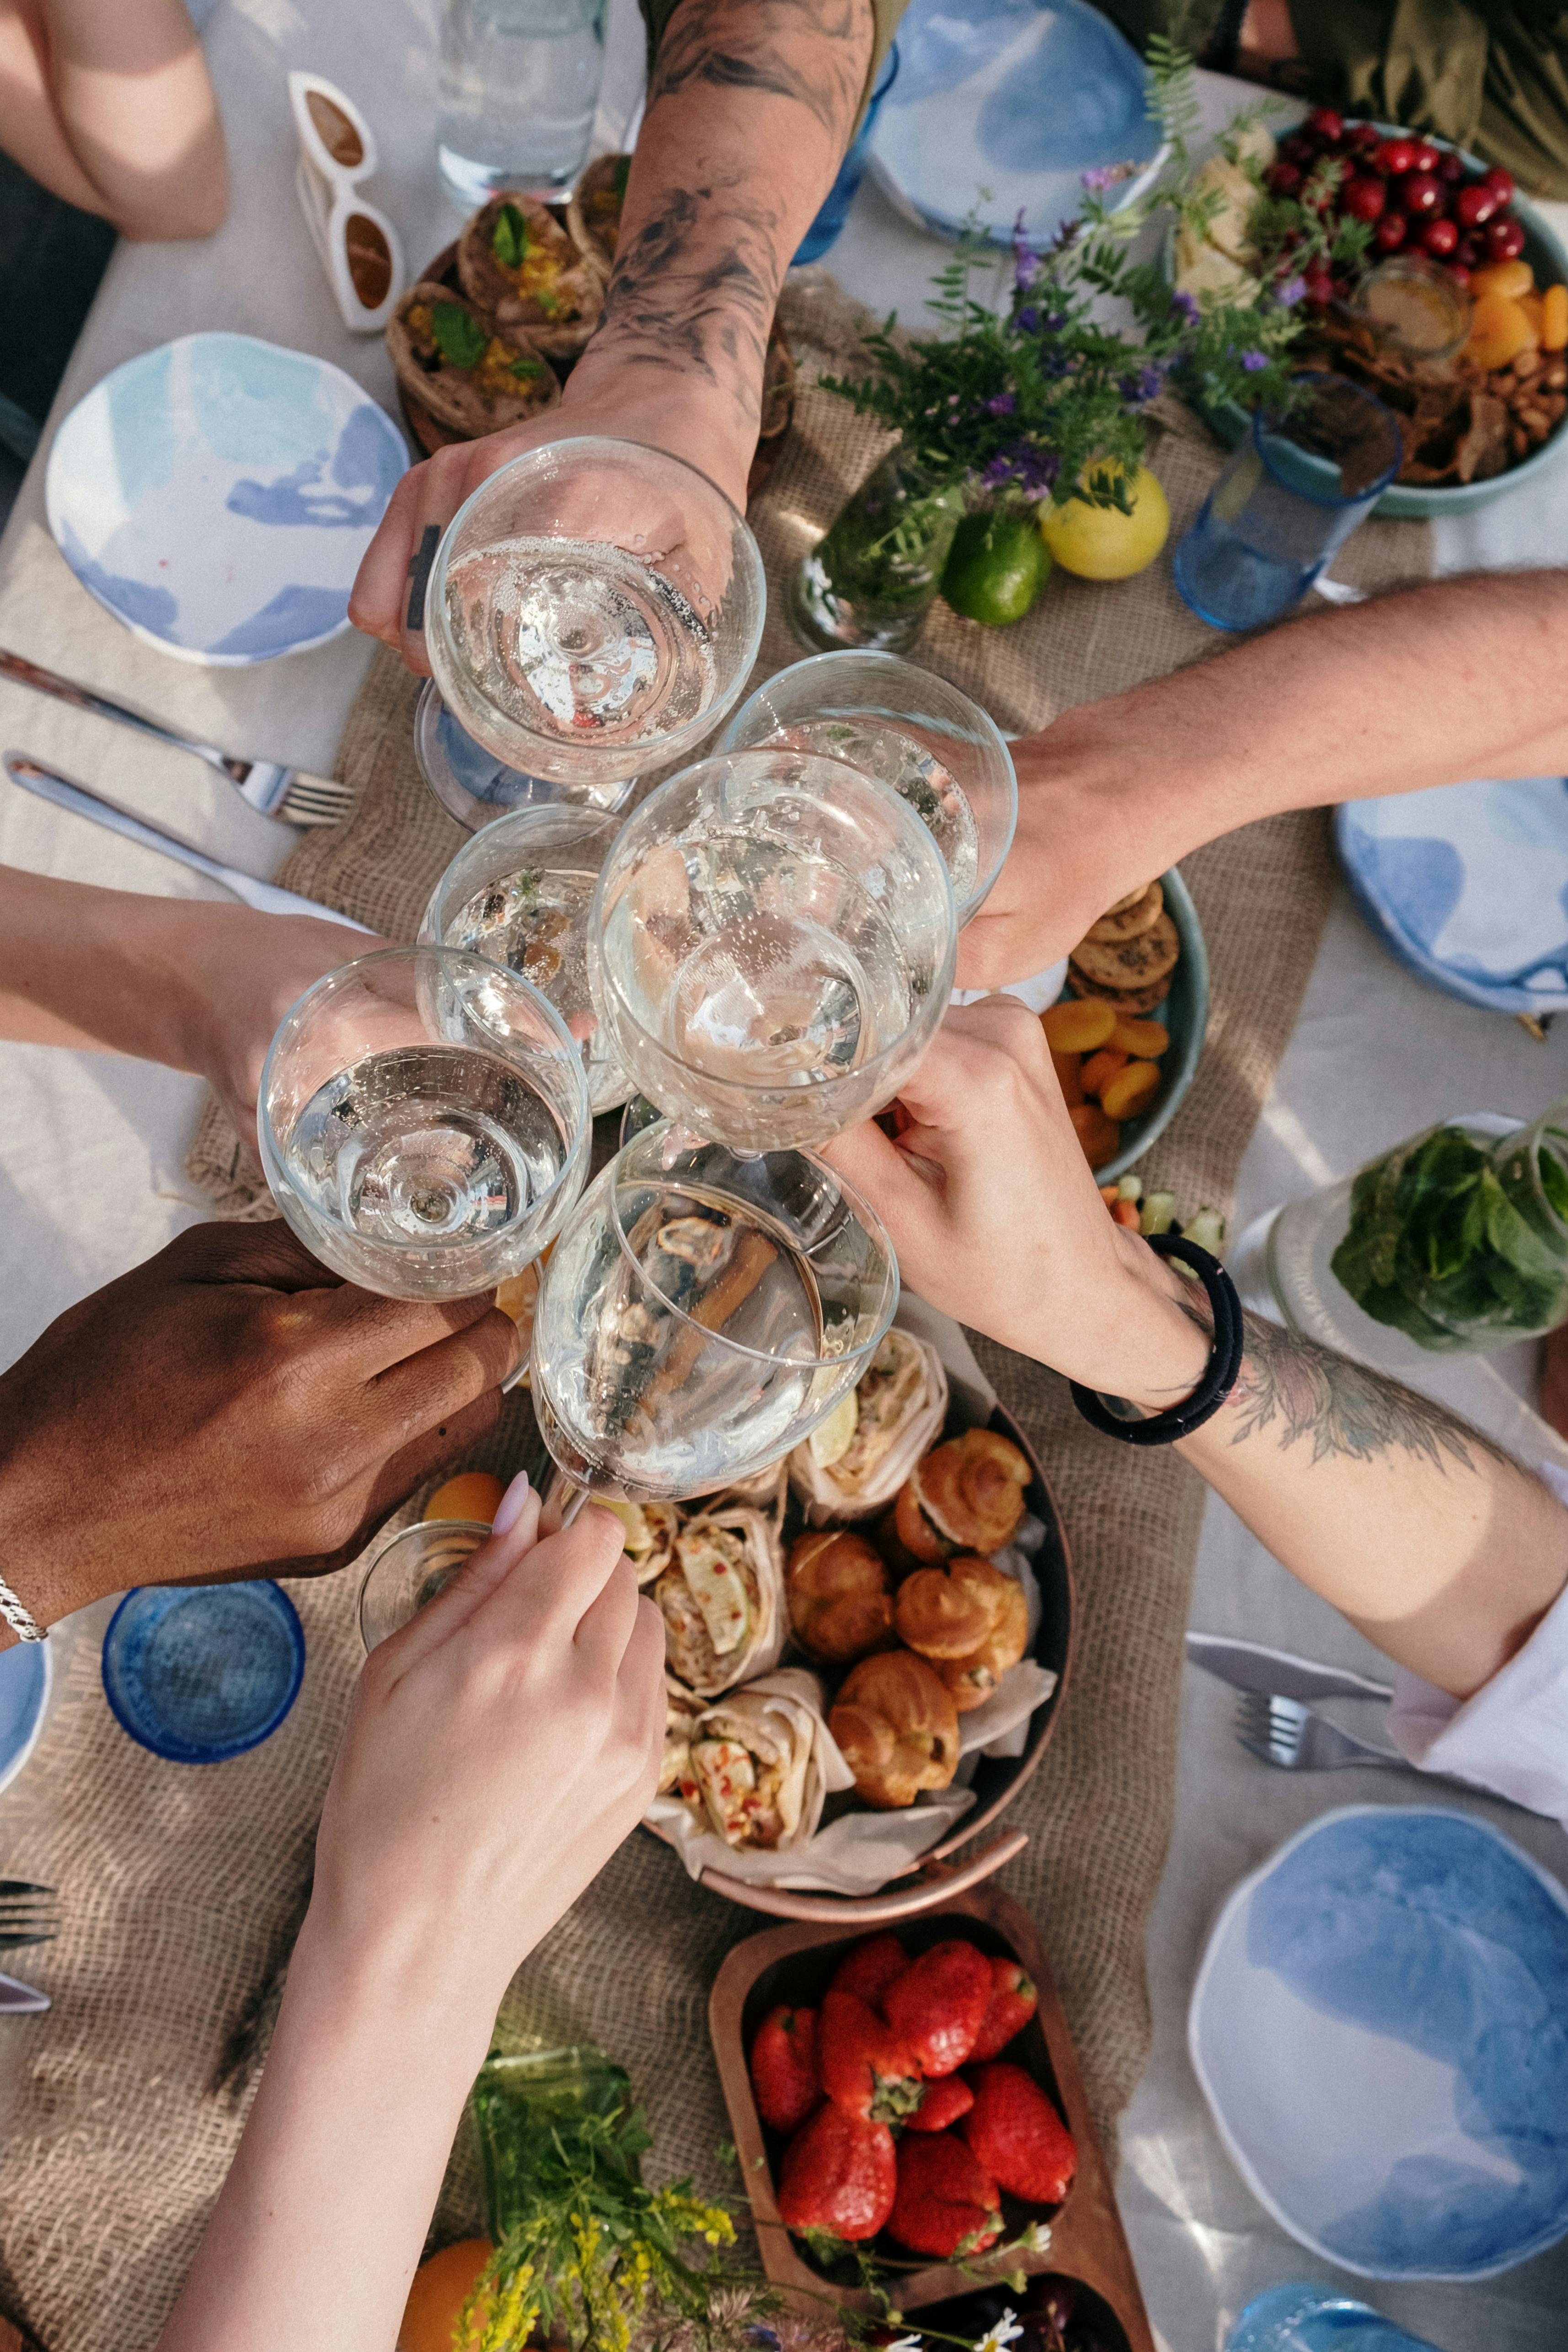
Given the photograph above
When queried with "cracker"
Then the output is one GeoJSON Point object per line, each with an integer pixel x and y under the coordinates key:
{"type": "Point", "coordinates": [1130, 965]}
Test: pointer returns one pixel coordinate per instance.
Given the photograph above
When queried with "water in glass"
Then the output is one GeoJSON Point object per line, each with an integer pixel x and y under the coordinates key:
{"type": "Point", "coordinates": [519, 81]}
{"type": "Point", "coordinates": [914, 773]}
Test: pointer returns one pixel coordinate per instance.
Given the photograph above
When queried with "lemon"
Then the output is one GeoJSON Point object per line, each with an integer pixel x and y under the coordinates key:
{"type": "Point", "coordinates": [1102, 543]}
{"type": "Point", "coordinates": [632, 1517]}
{"type": "Point", "coordinates": [832, 1441]}
{"type": "Point", "coordinates": [997, 567]}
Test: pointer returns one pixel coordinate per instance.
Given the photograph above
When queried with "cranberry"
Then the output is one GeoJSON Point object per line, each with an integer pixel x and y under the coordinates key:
{"type": "Point", "coordinates": [1502, 180]}
{"type": "Point", "coordinates": [1363, 197]}
{"type": "Point", "coordinates": [1395, 157]}
{"type": "Point", "coordinates": [1439, 238]}
{"type": "Point", "coordinates": [1460, 275]}
{"type": "Point", "coordinates": [1298, 149]}
{"type": "Point", "coordinates": [1318, 286]}
{"type": "Point", "coordinates": [1324, 125]}
{"type": "Point", "coordinates": [1450, 168]}
{"type": "Point", "coordinates": [1420, 192]}
{"type": "Point", "coordinates": [1364, 138]}
{"type": "Point", "coordinates": [1472, 249]}
{"type": "Point", "coordinates": [1428, 157]}
{"type": "Point", "coordinates": [1282, 179]}
{"type": "Point", "coordinates": [1505, 241]}
{"type": "Point", "coordinates": [1391, 232]}
{"type": "Point", "coordinates": [1475, 205]}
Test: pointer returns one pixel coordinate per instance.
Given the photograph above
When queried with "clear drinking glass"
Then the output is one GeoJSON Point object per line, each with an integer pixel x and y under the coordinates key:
{"type": "Point", "coordinates": [593, 608]}
{"type": "Point", "coordinates": [939, 751]}
{"type": "Point", "coordinates": [412, 1569]}
{"type": "Point", "coordinates": [520, 892]}
{"type": "Point", "coordinates": [1305, 2319]}
{"type": "Point", "coordinates": [702, 1313]}
{"type": "Point", "coordinates": [771, 947]}
{"type": "Point", "coordinates": [424, 1122]}
{"type": "Point", "coordinates": [1286, 501]}
{"type": "Point", "coordinates": [519, 81]}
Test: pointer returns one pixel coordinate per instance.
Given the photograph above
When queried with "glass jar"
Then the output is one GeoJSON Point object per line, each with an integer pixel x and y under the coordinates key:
{"type": "Point", "coordinates": [1305, 2319]}
{"type": "Point", "coordinates": [870, 580]}
{"type": "Point", "coordinates": [521, 2103]}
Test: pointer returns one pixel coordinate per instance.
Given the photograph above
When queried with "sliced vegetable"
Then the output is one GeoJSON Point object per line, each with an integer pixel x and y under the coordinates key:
{"type": "Point", "coordinates": [1159, 1214]}
{"type": "Point", "coordinates": [509, 237]}
{"type": "Point", "coordinates": [459, 338]}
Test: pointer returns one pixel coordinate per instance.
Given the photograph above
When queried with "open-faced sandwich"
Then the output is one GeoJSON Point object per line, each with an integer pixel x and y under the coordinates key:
{"type": "Point", "coordinates": [517, 264]}
{"type": "Point", "coordinates": [860, 1457]}
{"type": "Point", "coordinates": [756, 1771]}
{"type": "Point", "coordinates": [965, 1495]}
{"type": "Point", "coordinates": [722, 1599]}
{"type": "Point", "coordinates": [594, 209]}
{"type": "Point", "coordinates": [472, 373]}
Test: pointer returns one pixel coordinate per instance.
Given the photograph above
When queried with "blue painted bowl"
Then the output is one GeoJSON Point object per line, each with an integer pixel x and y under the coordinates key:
{"type": "Point", "coordinates": [201, 1672]}
{"type": "Point", "coordinates": [1380, 2027]}
{"type": "Point", "coordinates": [216, 495]}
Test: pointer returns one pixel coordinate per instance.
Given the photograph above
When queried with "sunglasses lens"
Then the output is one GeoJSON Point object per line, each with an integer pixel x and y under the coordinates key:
{"type": "Point", "coordinates": [335, 131]}
{"type": "Point", "coordinates": [370, 261]}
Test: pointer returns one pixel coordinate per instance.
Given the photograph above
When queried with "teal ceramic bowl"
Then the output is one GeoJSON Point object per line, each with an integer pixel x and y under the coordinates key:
{"type": "Point", "coordinates": [1185, 1013]}
{"type": "Point", "coordinates": [1548, 256]}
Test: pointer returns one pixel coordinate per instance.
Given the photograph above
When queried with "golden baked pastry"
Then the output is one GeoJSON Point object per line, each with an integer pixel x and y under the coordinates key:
{"type": "Point", "coordinates": [897, 1728]}
{"type": "Point", "coordinates": [951, 1612]}
{"type": "Point", "coordinates": [593, 207]}
{"type": "Point", "coordinates": [521, 267]}
{"type": "Point", "coordinates": [966, 1495]}
{"type": "Point", "coordinates": [972, 1680]}
{"type": "Point", "coordinates": [471, 373]}
{"type": "Point", "coordinates": [839, 1603]}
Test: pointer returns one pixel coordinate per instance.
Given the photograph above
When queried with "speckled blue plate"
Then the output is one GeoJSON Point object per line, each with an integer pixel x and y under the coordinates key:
{"type": "Point", "coordinates": [24, 1678]}
{"type": "Point", "coordinates": [1380, 2027]}
{"type": "Point", "coordinates": [217, 495]}
{"type": "Point", "coordinates": [1000, 106]}
{"type": "Point", "coordinates": [199, 1673]}
{"type": "Point", "coordinates": [1467, 886]}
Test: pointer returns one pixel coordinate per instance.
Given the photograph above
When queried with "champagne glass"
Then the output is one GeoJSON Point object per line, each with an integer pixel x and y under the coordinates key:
{"type": "Point", "coordinates": [702, 1312]}
{"type": "Point", "coordinates": [520, 892]}
{"type": "Point", "coordinates": [939, 751]}
{"type": "Point", "coordinates": [593, 607]}
{"type": "Point", "coordinates": [771, 947]}
{"type": "Point", "coordinates": [424, 1122]}
{"type": "Point", "coordinates": [418, 1563]}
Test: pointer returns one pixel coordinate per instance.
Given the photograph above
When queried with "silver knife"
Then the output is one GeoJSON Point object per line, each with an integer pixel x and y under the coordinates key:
{"type": "Point", "coordinates": [264, 897]}
{"type": "Point", "coordinates": [19, 2000]}
{"type": "Point", "coordinates": [290, 793]}
{"type": "Point", "coordinates": [1251, 1666]}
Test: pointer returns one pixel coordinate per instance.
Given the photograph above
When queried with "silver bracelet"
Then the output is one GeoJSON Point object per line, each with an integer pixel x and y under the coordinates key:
{"type": "Point", "coordinates": [19, 1617]}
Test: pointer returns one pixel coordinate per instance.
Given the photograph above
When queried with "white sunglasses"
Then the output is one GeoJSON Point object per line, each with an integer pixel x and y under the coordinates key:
{"type": "Point", "coordinates": [358, 245]}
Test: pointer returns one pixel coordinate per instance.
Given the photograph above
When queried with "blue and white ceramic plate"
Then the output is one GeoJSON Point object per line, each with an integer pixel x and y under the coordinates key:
{"type": "Point", "coordinates": [1000, 106]}
{"type": "Point", "coordinates": [24, 1675]}
{"type": "Point", "coordinates": [1380, 2026]}
{"type": "Point", "coordinates": [217, 494]}
{"type": "Point", "coordinates": [1467, 886]}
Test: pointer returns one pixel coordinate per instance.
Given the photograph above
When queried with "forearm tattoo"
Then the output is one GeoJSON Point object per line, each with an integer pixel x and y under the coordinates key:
{"type": "Point", "coordinates": [812, 51]}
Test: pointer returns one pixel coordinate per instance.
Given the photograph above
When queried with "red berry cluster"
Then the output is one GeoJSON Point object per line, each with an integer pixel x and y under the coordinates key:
{"type": "Point", "coordinates": [1414, 196]}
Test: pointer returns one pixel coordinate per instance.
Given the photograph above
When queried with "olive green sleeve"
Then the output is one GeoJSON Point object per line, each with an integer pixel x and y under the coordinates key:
{"type": "Point", "coordinates": [657, 15]}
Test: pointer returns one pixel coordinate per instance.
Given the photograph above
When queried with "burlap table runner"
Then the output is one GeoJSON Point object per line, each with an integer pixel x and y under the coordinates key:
{"type": "Point", "coordinates": [181, 1887]}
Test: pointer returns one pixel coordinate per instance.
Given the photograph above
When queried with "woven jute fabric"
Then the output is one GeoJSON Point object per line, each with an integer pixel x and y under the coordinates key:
{"type": "Point", "coordinates": [180, 1888]}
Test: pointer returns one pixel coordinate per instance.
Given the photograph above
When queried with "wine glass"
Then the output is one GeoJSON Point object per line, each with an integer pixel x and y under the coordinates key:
{"type": "Point", "coordinates": [593, 607]}
{"type": "Point", "coordinates": [424, 1122]}
{"type": "Point", "coordinates": [771, 947]}
{"type": "Point", "coordinates": [412, 1568]}
{"type": "Point", "coordinates": [940, 751]}
{"type": "Point", "coordinates": [520, 892]}
{"type": "Point", "coordinates": [703, 1312]}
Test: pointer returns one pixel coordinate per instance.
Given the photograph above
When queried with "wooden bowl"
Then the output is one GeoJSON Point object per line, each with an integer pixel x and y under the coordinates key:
{"type": "Point", "coordinates": [793, 1964]}
{"type": "Point", "coordinates": [934, 1880]}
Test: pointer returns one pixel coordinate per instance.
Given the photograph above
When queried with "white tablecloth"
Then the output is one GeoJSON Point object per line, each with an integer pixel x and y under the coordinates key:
{"type": "Point", "coordinates": [91, 1148]}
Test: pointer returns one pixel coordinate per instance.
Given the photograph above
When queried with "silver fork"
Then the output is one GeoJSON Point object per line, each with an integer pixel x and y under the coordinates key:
{"type": "Point", "coordinates": [291, 793]}
{"type": "Point", "coordinates": [29, 1914]}
{"type": "Point", "coordinates": [1294, 1738]}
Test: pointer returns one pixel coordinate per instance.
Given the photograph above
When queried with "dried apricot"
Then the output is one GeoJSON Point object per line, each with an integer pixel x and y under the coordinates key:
{"type": "Point", "coordinates": [1069, 1068]}
{"type": "Point", "coordinates": [1511, 278]}
{"type": "Point", "coordinates": [1132, 1090]}
{"type": "Point", "coordinates": [1099, 1066]}
{"type": "Point", "coordinates": [1148, 1040]}
{"type": "Point", "coordinates": [471, 1494]}
{"type": "Point", "coordinates": [1097, 1134]}
{"type": "Point", "coordinates": [1078, 1025]}
{"type": "Point", "coordinates": [1554, 319]}
{"type": "Point", "coordinates": [1125, 1212]}
{"type": "Point", "coordinates": [1499, 330]}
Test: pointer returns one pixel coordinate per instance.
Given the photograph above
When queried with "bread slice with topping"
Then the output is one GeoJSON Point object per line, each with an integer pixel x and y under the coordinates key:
{"type": "Point", "coordinates": [472, 372]}
{"type": "Point", "coordinates": [518, 265]}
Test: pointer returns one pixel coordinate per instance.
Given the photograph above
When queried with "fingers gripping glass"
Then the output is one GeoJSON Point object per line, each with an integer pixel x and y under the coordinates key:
{"type": "Point", "coordinates": [358, 245]}
{"type": "Point", "coordinates": [412, 1568]}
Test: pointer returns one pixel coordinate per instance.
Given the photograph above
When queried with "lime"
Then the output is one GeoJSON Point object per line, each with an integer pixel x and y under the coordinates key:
{"type": "Point", "coordinates": [997, 567]}
{"type": "Point", "coordinates": [1102, 543]}
{"type": "Point", "coordinates": [832, 1441]}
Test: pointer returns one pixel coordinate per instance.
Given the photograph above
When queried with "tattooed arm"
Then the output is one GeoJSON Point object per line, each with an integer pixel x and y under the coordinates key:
{"type": "Point", "coordinates": [750, 107]}
{"type": "Point", "coordinates": [1442, 1549]}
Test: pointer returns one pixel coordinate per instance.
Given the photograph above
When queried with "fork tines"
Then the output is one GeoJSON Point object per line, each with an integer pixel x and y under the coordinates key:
{"type": "Point", "coordinates": [29, 1913]}
{"type": "Point", "coordinates": [1269, 1727]}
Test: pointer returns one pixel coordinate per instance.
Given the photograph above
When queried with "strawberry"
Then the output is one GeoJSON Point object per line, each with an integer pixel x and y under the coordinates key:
{"type": "Point", "coordinates": [784, 2067]}
{"type": "Point", "coordinates": [840, 2174]}
{"type": "Point", "coordinates": [947, 2203]}
{"type": "Point", "coordinates": [1013, 2002]}
{"type": "Point", "coordinates": [1018, 2135]}
{"type": "Point", "coordinates": [940, 2004]}
{"type": "Point", "coordinates": [865, 2065]}
{"type": "Point", "coordinates": [944, 2103]}
{"type": "Point", "coordinates": [868, 1967]}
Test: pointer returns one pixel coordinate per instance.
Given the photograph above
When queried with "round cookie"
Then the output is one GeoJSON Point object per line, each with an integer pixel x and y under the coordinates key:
{"type": "Point", "coordinates": [1134, 1003]}
{"type": "Point", "coordinates": [1131, 899]}
{"type": "Point", "coordinates": [1131, 964]}
{"type": "Point", "coordinates": [1126, 922]}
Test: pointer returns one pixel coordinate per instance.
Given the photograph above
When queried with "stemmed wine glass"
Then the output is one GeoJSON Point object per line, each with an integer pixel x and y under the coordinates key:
{"type": "Point", "coordinates": [418, 1563]}
{"type": "Point", "coordinates": [703, 1312]}
{"type": "Point", "coordinates": [771, 947]}
{"type": "Point", "coordinates": [521, 892]}
{"type": "Point", "coordinates": [593, 607]}
{"type": "Point", "coordinates": [424, 1122]}
{"type": "Point", "coordinates": [940, 751]}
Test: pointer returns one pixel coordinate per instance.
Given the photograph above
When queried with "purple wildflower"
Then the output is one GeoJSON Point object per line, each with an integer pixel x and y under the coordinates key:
{"type": "Point", "coordinates": [1100, 177]}
{"type": "Point", "coordinates": [1291, 292]}
{"type": "Point", "coordinates": [1187, 306]}
{"type": "Point", "coordinates": [1252, 360]}
{"type": "Point", "coordinates": [1026, 261]}
{"type": "Point", "coordinates": [1028, 319]}
{"type": "Point", "coordinates": [1001, 403]}
{"type": "Point", "coordinates": [1025, 467]}
{"type": "Point", "coordinates": [1146, 384]}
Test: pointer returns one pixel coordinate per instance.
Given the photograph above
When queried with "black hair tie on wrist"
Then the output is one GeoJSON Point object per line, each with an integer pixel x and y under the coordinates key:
{"type": "Point", "coordinates": [1224, 1363]}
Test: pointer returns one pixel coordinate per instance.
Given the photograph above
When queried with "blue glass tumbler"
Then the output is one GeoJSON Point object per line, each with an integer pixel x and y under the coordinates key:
{"type": "Point", "coordinates": [1304, 2319]}
{"type": "Point", "coordinates": [824, 230]}
{"type": "Point", "coordinates": [1289, 499]}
